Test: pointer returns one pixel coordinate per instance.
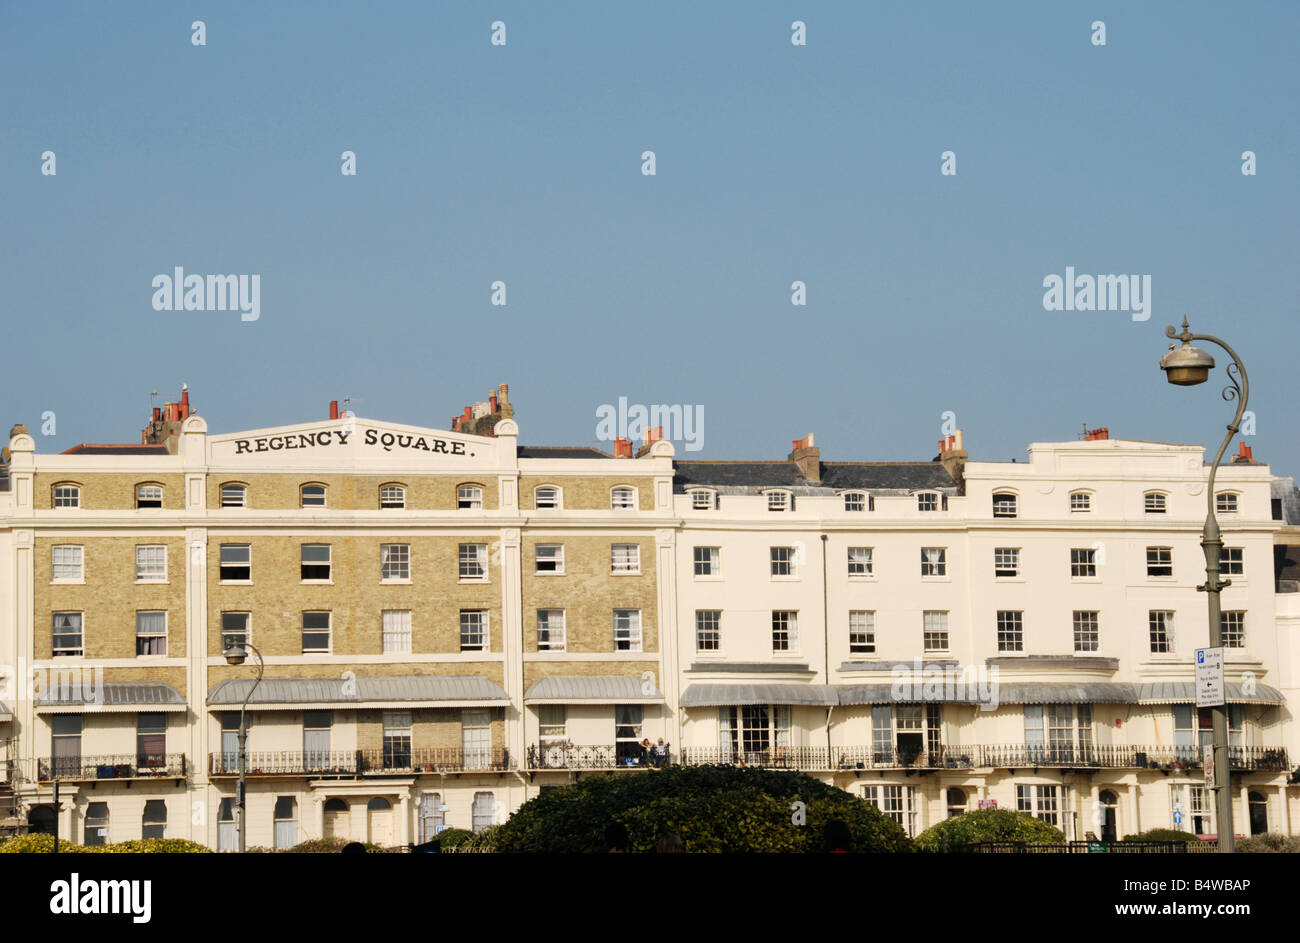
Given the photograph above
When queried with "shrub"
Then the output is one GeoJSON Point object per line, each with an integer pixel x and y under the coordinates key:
{"type": "Point", "coordinates": [37, 843]}
{"type": "Point", "coordinates": [318, 846]}
{"type": "Point", "coordinates": [1162, 834]}
{"type": "Point", "coordinates": [1268, 843]}
{"type": "Point", "coordinates": [710, 808]}
{"type": "Point", "coordinates": [153, 846]}
{"type": "Point", "coordinates": [989, 825]}
{"type": "Point", "coordinates": [453, 837]}
{"type": "Point", "coordinates": [484, 841]}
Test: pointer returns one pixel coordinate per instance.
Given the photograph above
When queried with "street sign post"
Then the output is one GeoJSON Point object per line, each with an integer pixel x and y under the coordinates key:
{"type": "Point", "coordinates": [1209, 677]}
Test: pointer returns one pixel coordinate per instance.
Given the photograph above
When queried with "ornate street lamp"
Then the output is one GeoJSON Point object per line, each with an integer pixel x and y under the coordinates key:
{"type": "Point", "coordinates": [1188, 366]}
{"type": "Point", "coordinates": [236, 654]}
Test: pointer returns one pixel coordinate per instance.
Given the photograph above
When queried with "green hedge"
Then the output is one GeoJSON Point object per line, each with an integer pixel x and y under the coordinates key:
{"type": "Point", "coordinates": [44, 844]}
{"type": "Point", "coordinates": [710, 808]}
{"type": "Point", "coordinates": [989, 825]}
{"type": "Point", "coordinates": [1162, 834]}
{"type": "Point", "coordinates": [453, 837]}
{"type": "Point", "coordinates": [1269, 843]}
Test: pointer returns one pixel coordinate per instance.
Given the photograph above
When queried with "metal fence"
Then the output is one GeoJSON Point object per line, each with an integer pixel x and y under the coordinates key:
{"type": "Point", "coordinates": [115, 766]}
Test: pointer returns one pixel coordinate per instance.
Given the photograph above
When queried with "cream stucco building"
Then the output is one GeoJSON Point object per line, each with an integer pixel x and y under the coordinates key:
{"type": "Point", "coordinates": [450, 622]}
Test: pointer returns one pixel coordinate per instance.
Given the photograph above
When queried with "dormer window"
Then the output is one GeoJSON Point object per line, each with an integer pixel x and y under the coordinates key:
{"type": "Point", "coordinates": [780, 501]}
{"type": "Point", "coordinates": [392, 497]}
{"type": "Point", "coordinates": [67, 496]}
{"type": "Point", "coordinates": [1155, 502]}
{"type": "Point", "coordinates": [622, 498]}
{"type": "Point", "coordinates": [859, 501]}
{"type": "Point", "coordinates": [148, 496]}
{"type": "Point", "coordinates": [931, 501]}
{"type": "Point", "coordinates": [312, 496]}
{"type": "Point", "coordinates": [546, 497]}
{"type": "Point", "coordinates": [1080, 501]}
{"type": "Point", "coordinates": [1004, 504]}
{"type": "Point", "coordinates": [1225, 502]}
{"type": "Point", "coordinates": [703, 500]}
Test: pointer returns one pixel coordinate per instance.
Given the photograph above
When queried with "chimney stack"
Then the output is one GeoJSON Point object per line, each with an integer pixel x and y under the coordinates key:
{"type": "Point", "coordinates": [1245, 455]}
{"type": "Point", "coordinates": [334, 409]}
{"type": "Point", "coordinates": [622, 448]}
{"type": "Point", "coordinates": [1096, 435]}
{"type": "Point", "coordinates": [953, 457]}
{"type": "Point", "coordinates": [185, 401]}
{"type": "Point", "coordinates": [807, 458]}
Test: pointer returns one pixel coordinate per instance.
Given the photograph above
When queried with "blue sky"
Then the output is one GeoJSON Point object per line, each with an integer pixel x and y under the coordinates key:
{"type": "Point", "coordinates": [775, 163]}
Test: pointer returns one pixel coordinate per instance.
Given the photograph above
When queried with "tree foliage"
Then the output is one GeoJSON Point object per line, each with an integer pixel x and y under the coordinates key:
{"type": "Point", "coordinates": [710, 808]}
{"type": "Point", "coordinates": [989, 825]}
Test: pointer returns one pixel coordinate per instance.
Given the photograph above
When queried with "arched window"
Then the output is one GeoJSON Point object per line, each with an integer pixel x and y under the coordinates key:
{"type": "Point", "coordinates": [483, 811]}
{"type": "Point", "coordinates": [1080, 501]}
{"type": "Point", "coordinates": [1225, 502]}
{"type": "Point", "coordinates": [379, 804]}
{"type": "Point", "coordinates": [859, 501]}
{"type": "Point", "coordinates": [623, 498]}
{"type": "Point", "coordinates": [335, 805]}
{"type": "Point", "coordinates": [702, 499]}
{"type": "Point", "coordinates": [234, 495]}
{"type": "Point", "coordinates": [67, 495]}
{"type": "Point", "coordinates": [392, 497]}
{"type": "Point", "coordinates": [312, 496]}
{"type": "Point", "coordinates": [1155, 502]}
{"type": "Point", "coordinates": [469, 497]}
{"type": "Point", "coordinates": [956, 801]}
{"type": "Point", "coordinates": [1004, 504]}
{"type": "Point", "coordinates": [546, 497]}
{"type": "Point", "coordinates": [154, 822]}
{"type": "Point", "coordinates": [148, 496]}
{"type": "Point", "coordinates": [286, 821]}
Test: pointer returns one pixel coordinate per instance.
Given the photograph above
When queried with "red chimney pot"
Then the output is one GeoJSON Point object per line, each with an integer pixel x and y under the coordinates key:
{"type": "Point", "coordinates": [334, 409]}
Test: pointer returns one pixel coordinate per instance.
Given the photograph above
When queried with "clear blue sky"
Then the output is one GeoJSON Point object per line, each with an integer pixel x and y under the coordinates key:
{"type": "Point", "coordinates": [775, 163]}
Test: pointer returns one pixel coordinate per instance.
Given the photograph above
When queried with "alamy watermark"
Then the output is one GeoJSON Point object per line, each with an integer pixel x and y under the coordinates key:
{"type": "Point", "coordinates": [919, 682]}
{"type": "Point", "coordinates": [1098, 293]}
{"type": "Point", "coordinates": [181, 292]}
{"type": "Point", "coordinates": [680, 423]}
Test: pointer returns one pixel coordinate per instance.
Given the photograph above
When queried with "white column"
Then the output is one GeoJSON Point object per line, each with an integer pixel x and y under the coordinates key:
{"type": "Point", "coordinates": [512, 640]}
{"type": "Point", "coordinates": [319, 803]}
{"type": "Point", "coordinates": [196, 656]}
{"type": "Point", "coordinates": [669, 647]}
{"type": "Point", "coordinates": [404, 822]}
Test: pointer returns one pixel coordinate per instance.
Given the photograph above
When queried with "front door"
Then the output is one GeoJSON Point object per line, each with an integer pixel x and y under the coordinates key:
{"type": "Point", "coordinates": [1109, 809]}
{"type": "Point", "coordinates": [337, 817]}
{"type": "Point", "coordinates": [1258, 813]}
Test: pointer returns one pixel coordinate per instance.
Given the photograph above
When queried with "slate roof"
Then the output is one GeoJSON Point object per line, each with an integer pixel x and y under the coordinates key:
{"type": "Point", "coordinates": [752, 477]}
{"type": "Point", "coordinates": [561, 451]}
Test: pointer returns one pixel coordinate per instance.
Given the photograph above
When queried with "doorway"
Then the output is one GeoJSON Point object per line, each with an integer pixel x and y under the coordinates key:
{"type": "Point", "coordinates": [40, 820]}
{"type": "Point", "coordinates": [1109, 815]}
{"type": "Point", "coordinates": [1258, 813]}
{"type": "Point", "coordinates": [337, 819]}
{"type": "Point", "coordinates": [379, 816]}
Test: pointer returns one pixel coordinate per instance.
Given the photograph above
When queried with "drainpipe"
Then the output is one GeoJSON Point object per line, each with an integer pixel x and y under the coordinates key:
{"type": "Point", "coordinates": [826, 648]}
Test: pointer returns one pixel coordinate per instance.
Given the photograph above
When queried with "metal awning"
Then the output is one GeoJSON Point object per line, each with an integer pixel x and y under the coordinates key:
{"type": "Point", "coordinates": [907, 692]}
{"type": "Point", "coordinates": [380, 692]}
{"type": "Point", "coordinates": [740, 695]}
{"type": "Point", "coordinates": [1184, 692]}
{"type": "Point", "coordinates": [605, 689]}
{"type": "Point", "coordinates": [75, 697]}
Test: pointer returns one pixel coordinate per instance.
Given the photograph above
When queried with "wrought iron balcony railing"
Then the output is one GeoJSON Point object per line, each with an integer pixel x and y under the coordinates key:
{"type": "Point", "coordinates": [613, 756]}
{"type": "Point", "coordinates": [285, 763]}
{"type": "Point", "coordinates": [432, 760]}
{"type": "Point", "coordinates": [118, 766]}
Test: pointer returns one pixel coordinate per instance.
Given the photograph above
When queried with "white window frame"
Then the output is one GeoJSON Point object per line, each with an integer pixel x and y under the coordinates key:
{"type": "Point", "coordinates": [1083, 563]}
{"type": "Point", "coordinates": [484, 644]}
{"type": "Point", "coordinates": [1080, 501]}
{"type": "Point", "coordinates": [1160, 632]}
{"type": "Point", "coordinates": [1233, 636]}
{"type": "Point", "coordinates": [552, 623]}
{"type": "Point", "coordinates": [935, 633]}
{"type": "Point", "coordinates": [329, 562]}
{"type": "Point", "coordinates": [151, 488]}
{"type": "Point", "coordinates": [708, 622]}
{"type": "Point", "coordinates": [931, 501]}
{"type": "Point", "coordinates": [1010, 630]}
{"type": "Point", "coordinates": [938, 565]}
{"type": "Point", "coordinates": [466, 563]}
{"type": "Point", "coordinates": [625, 559]}
{"type": "Point", "coordinates": [555, 504]}
{"type": "Point", "coordinates": [328, 631]}
{"type": "Point", "coordinates": [713, 561]}
{"type": "Point", "coordinates": [221, 564]}
{"type": "Point", "coordinates": [69, 651]}
{"type": "Point", "coordinates": [780, 501]}
{"type": "Point", "coordinates": [395, 631]}
{"type": "Point", "coordinates": [65, 496]}
{"type": "Point", "coordinates": [867, 502]}
{"type": "Point", "coordinates": [1006, 563]}
{"type": "Point", "coordinates": [392, 497]}
{"type": "Point", "coordinates": [782, 558]}
{"type": "Point", "coordinates": [628, 634]}
{"type": "Point", "coordinates": [1232, 561]}
{"type": "Point", "coordinates": [554, 556]}
{"type": "Point", "coordinates": [228, 488]}
{"type": "Point", "coordinates": [395, 563]}
{"type": "Point", "coordinates": [1163, 558]}
{"type": "Point", "coordinates": [74, 559]}
{"type": "Point", "coordinates": [303, 502]}
{"type": "Point", "coordinates": [702, 499]}
{"type": "Point", "coordinates": [862, 631]}
{"type": "Point", "coordinates": [1000, 513]}
{"type": "Point", "coordinates": [142, 568]}
{"type": "Point", "coordinates": [622, 498]}
{"type": "Point", "coordinates": [247, 631]}
{"type": "Point", "coordinates": [151, 635]}
{"type": "Point", "coordinates": [1227, 502]}
{"type": "Point", "coordinates": [1085, 623]}
{"type": "Point", "coordinates": [1155, 502]}
{"type": "Point", "coordinates": [469, 497]}
{"type": "Point", "coordinates": [865, 562]}
{"type": "Point", "coordinates": [785, 631]}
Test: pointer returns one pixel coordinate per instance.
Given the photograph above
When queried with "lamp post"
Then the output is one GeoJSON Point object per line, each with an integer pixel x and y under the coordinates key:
{"type": "Point", "coordinates": [236, 654]}
{"type": "Point", "coordinates": [1188, 366]}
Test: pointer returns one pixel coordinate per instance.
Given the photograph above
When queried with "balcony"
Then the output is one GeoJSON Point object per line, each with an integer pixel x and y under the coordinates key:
{"type": "Point", "coordinates": [286, 763]}
{"type": "Point", "coordinates": [615, 756]}
{"type": "Point", "coordinates": [432, 760]}
{"type": "Point", "coordinates": [120, 766]}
